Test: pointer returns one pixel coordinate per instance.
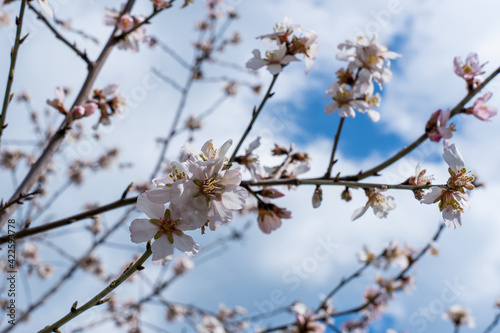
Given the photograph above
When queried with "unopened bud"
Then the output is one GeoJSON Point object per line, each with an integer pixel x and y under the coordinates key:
{"type": "Point", "coordinates": [346, 195]}
{"type": "Point", "coordinates": [302, 157]}
{"type": "Point", "coordinates": [317, 197]}
{"type": "Point", "coordinates": [271, 193]}
{"type": "Point", "coordinates": [279, 150]}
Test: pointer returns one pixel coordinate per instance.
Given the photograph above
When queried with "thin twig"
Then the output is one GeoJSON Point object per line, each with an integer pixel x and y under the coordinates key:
{"type": "Point", "coordinates": [180, 108]}
{"type": "Point", "coordinates": [493, 324]}
{"type": "Point", "coordinates": [323, 181]}
{"type": "Point", "coordinates": [55, 141]}
{"type": "Point", "coordinates": [71, 219]}
{"type": "Point", "coordinates": [56, 33]}
{"type": "Point", "coordinates": [173, 54]}
{"type": "Point", "coordinates": [255, 114]}
{"type": "Point", "coordinates": [400, 276]}
{"type": "Point", "coordinates": [76, 31]}
{"type": "Point", "coordinates": [98, 299]}
{"type": "Point", "coordinates": [66, 277]}
{"type": "Point", "coordinates": [405, 151]}
{"type": "Point", "coordinates": [167, 79]}
{"type": "Point", "coordinates": [334, 149]}
{"type": "Point", "coordinates": [21, 199]}
{"type": "Point", "coordinates": [13, 57]}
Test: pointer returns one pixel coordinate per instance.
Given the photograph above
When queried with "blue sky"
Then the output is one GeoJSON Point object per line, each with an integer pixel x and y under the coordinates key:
{"type": "Point", "coordinates": [427, 34]}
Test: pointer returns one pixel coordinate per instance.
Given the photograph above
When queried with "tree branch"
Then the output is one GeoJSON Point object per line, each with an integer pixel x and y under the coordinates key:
{"type": "Point", "coordinates": [13, 57]}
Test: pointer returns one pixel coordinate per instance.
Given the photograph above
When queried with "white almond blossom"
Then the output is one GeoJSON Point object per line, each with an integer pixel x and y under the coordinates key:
{"type": "Point", "coordinates": [166, 227]}
{"type": "Point", "coordinates": [380, 203]}
{"type": "Point", "coordinates": [459, 316]}
{"type": "Point", "coordinates": [210, 324]}
{"type": "Point", "coordinates": [204, 187]}
{"type": "Point", "coordinates": [275, 60]}
{"type": "Point", "coordinates": [369, 54]}
{"type": "Point", "coordinates": [452, 198]}
{"type": "Point", "coordinates": [345, 100]}
{"type": "Point", "coordinates": [290, 39]}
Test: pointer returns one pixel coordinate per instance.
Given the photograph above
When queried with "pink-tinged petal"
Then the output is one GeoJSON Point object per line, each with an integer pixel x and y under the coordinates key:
{"type": "Point", "coordinates": [224, 148]}
{"type": "Point", "coordinates": [142, 230]}
{"type": "Point", "coordinates": [452, 218]}
{"type": "Point", "coordinates": [235, 199]}
{"type": "Point", "coordinates": [462, 199]}
{"type": "Point", "coordinates": [218, 214]}
{"type": "Point", "coordinates": [444, 132]}
{"type": "Point", "coordinates": [432, 195]}
{"type": "Point", "coordinates": [271, 193]}
{"type": "Point", "coordinates": [195, 215]}
{"type": "Point", "coordinates": [274, 68]}
{"type": "Point", "coordinates": [231, 177]}
{"type": "Point", "coordinates": [59, 92]}
{"type": "Point", "coordinates": [359, 212]}
{"type": "Point", "coordinates": [453, 157]}
{"type": "Point", "coordinates": [47, 10]}
{"type": "Point", "coordinates": [78, 111]}
{"type": "Point", "coordinates": [331, 107]}
{"type": "Point", "coordinates": [151, 209]}
{"type": "Point", "coordinates": [288, 58]}
{"type": "Point", "coordinates": [185, 243]}
{"type": "Point", "coordinates": [162, 249]}
{"type": "Point", "coordinates": [90, 108]}
{"type": "Point", "coordinates": [159, 195]}
{"type": "Point", "coordinates": [268, 222]}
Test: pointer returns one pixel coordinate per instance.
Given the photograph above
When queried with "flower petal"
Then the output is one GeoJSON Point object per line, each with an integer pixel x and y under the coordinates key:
{"type": "Point", "coordinates": [432, 195]}
{"type": "Point", "coordinates": [359, 212]}
{"type": "Point", "coordinates": [151, 209]}
{"type": "Point", "coordinates": [453, 157]}
{"type": "Point", "coordinates": [162, 249]}
{"type": "Point", "coordinates": [452, 218]}
{"type": "Point", "coordinates": [142, 230]}
{"type": "Point", "coordinates": [185, 243]}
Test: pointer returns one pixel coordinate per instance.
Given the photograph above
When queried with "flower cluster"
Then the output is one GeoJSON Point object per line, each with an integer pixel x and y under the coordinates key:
{"type": "Point", "coordinates": [437, 128]}
{"type": "Point", "coordinates": [110, 101]}
{"type": "Point", "coordinates": [368, 62]}
{"type": "Point", "coordinates": [380, 204]}
{"type": "Point", "coordinates": [202, 191]}
{"type": "Point", "coordinates": [306, 320]}
{"type": "Point", "coordinates": [459, 316]}
{"type": "Point", "coordinates": [481, 111]}
{"type": "Point", "coordinates": [290, 39]}
{"type": "Point", "coordinates": [452, 198]}
{"type": "Point", "coordinates": [78, 111]}
{"type": "Point", "coordinates": [126, 25]}
{"type": "Point", "coordinates": [295, 163]}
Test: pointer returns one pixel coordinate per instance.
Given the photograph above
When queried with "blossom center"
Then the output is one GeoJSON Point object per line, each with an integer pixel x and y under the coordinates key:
{"type": "Point", "coordinates": [176, 175]}
{"type": "Point", "coordinates": [460, 180]}
{"type": "Point", "coordinates": [466, 69]}
{"type": "Point", "coordinates": [210, 188]}
{"type": "Point", "coordinates": [447, 199]}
